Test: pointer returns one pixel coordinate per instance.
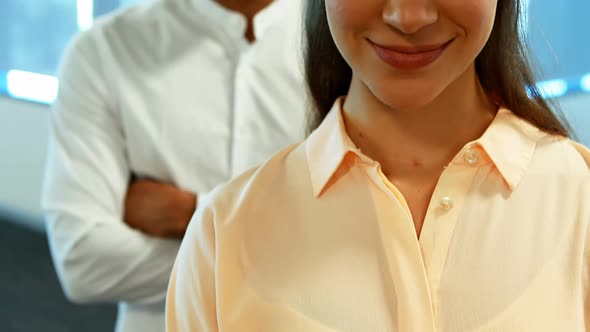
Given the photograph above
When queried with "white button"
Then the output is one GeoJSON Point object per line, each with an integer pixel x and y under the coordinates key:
{"type": "Point", "coordinates": [471, 157]}
{"type": "Point", "coordinates": [446, 203]}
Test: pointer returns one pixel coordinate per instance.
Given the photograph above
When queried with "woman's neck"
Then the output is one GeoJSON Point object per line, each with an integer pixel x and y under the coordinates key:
{"type": "Point", "coordinates": [425, 138]}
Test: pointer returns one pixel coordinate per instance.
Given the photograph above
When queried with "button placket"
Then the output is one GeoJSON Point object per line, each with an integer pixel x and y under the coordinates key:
{"type": "Point", "coordinates": [399, 236]}
{"type": "Point", "coordinates": [441, 220]}
{"type": "Point", "coordinates": [436, 307]}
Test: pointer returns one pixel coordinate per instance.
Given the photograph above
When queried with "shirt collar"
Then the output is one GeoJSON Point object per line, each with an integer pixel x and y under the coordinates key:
{"type": "Point", "coordinates": [327, 148]}
{"type": "Point", "coordinates": [235, 23]}
{"type": "Point", "coordinates": [509, 142]}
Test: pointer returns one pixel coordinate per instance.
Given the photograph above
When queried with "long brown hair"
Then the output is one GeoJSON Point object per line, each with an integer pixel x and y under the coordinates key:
{"type": "Point", "coordinates": [503, 68]}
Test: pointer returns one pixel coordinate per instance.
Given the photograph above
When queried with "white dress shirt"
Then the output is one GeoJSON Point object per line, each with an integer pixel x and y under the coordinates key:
{"type": "Point", "coordinates": [170, 90]}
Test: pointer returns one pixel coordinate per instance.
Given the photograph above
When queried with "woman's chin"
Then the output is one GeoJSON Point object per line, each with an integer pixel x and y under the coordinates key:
{"type": "Point", "coordinates": [406, 102]}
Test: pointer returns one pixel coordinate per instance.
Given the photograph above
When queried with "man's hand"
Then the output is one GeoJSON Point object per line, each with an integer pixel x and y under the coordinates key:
{"type": "Point", "coordinates": [158, 209]}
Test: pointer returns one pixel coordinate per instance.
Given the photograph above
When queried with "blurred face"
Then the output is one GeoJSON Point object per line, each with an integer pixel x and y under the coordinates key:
{"type": "Point", "coordinates": [408, 52]}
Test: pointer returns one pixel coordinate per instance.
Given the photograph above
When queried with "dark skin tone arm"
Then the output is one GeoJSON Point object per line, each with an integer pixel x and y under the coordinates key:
{"type": "Point", "coordinates": [161, 209]}
{"type": "Point", "coordinates": [158, 209]}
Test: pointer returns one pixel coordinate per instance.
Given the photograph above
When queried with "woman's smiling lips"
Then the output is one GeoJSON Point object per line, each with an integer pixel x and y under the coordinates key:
{"type": "Point", "coordinates": [409, 57]}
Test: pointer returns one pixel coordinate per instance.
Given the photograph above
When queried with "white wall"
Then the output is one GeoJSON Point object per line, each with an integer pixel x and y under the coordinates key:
{"type": "Point", "coordinates": [23, 137]}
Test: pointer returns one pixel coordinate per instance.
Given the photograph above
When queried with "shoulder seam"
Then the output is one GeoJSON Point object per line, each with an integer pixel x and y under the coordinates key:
{"type": "Point", "coordinates": [582, 150]}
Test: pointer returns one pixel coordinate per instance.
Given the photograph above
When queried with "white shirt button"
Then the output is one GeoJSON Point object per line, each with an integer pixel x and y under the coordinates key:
{"type": "Point", "coordinates": [446, 203]}
{"type": "Point", "coordinates": [471, 157]}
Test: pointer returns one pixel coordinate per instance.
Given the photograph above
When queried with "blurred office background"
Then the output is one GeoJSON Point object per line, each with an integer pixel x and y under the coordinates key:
{"type": "Point", "coordinates": [33, 34]}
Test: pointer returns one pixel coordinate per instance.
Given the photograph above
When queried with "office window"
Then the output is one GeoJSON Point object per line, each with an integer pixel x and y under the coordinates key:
{"type": "Point", "coordinates": [33, 35]}
{"type": "Point", "coordinates": [34, 32]}
{"type": "Point", "coordinates": [558, 36]}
